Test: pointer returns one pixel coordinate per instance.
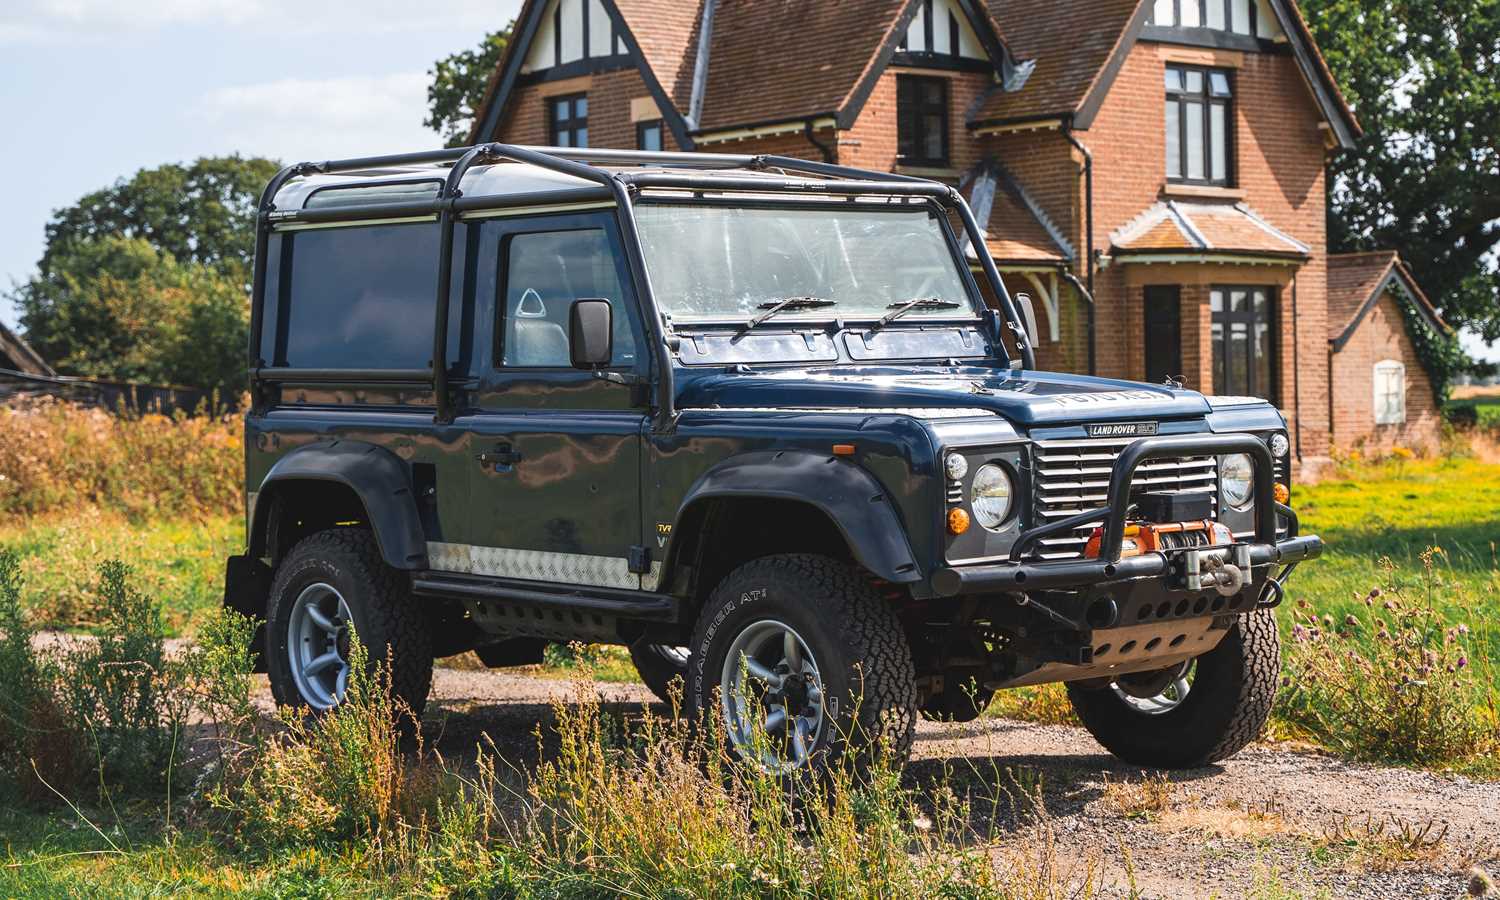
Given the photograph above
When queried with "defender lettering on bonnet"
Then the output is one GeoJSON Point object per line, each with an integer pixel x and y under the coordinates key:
{"type": "Point", "coordinates": [1122, 429]}
{"type": "Point", "coordinates": [798, 470]}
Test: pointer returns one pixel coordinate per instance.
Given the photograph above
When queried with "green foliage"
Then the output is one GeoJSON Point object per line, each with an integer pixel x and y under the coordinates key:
{"type": "Point", "coordinates": [124, 698]}
{"type": "Point", "coordinates": [23, 679]}
{"type": "Point", "coordinates": [458, 86]}
{"type": "Point", "coordinates": [203, 212]}
{"type": "Point", "coordinates": [147, 280]}
{"type": "Point", "coordinates": [1442, 355]}
{"type": "Point", "coordinates": [118, 308]}
{"type": "Point", "coordinates": [1425, 178]}
{"type": "Point", "coordinates": [1392, 682]}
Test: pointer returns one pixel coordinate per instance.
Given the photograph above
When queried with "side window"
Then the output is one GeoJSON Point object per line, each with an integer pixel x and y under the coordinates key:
{"type": "Point", "coordinates": [1390, 392]}
{"type": "Point", "coordinates": [544, 273]}
{"type": "Point", "coordinates": [355, 298]}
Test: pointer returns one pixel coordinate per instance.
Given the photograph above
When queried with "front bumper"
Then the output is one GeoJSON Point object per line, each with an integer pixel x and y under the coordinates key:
{"type": "Point", "coordinates": [1015, 575]}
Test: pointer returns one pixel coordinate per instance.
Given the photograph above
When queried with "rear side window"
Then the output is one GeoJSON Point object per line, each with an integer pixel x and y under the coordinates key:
{"type": "Point", "coordinates": [356, 298]}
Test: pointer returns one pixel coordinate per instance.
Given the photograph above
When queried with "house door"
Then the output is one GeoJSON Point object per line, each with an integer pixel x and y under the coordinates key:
{"type": "Point", "coordinates": [1163, 333]}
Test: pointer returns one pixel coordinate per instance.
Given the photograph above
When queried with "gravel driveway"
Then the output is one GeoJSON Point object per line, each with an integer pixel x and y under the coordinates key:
{"type": "Point", "coordinates": [1272, 812]}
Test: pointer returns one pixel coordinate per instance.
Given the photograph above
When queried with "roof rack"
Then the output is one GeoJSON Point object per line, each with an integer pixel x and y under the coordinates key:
{"type": "Point", "coordinates": [586, 165]}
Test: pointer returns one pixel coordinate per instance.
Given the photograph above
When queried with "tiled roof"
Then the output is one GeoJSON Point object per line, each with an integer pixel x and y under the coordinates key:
{"type": "Point", "coordinates": [1173, 227]}
{"type": "Point", "coordinates": [1071, 42]}
{"type": "Point", "coordinates": [775, 60]}
{"type": "Point", "coordinates": [17, 355]}
{"type": "Point", "coordinates": [1354, 283]}
{"type": "Point", "coordinates": [667, 32]}
{"type": "Point", "coordinates": [1015, 230]}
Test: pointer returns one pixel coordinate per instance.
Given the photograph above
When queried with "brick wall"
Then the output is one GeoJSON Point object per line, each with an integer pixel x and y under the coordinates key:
{"type": "Point", "coordinates": [1279, 158]}
{"type": "Point", "coordinates": [1381, 336]}
{"type": "Point", "coordinates": [871, 143]}
{"type": "Point", "coordinates": [617, 100]}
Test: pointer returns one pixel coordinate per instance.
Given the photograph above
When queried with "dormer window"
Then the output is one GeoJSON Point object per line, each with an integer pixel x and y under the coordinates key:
{"type": "Point", "coordinates": [1199, 118]}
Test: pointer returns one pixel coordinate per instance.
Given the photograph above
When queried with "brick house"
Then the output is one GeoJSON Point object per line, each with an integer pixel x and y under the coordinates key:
{"type": "Point", "coordinates": [1368, 343]}
{"type": "Point", "coordinates": [1165, 158]}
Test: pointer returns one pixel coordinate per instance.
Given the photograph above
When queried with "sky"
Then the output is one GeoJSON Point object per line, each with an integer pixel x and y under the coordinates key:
{"type": "Point", "coordinates": [93, 90]}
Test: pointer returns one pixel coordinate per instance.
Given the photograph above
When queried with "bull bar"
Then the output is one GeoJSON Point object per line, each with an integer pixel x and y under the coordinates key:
{"type": "Point", "coordinates": [1016, 575]}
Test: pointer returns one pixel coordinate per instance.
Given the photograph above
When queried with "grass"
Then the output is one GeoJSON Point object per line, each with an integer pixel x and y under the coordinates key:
{"type": "Point", "coordinates": [179, 560]}
{"type": "Point", "coordinates": [1395, 510]}
{"type": "Point", "coordinates": [1485, 401]}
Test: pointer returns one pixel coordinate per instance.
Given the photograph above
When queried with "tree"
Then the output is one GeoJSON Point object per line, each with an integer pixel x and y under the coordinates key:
{"type": "Point", "coordinates": [203, 212]}
{"type": "Point", "coordinates": [1425, 178]}
{"type": "Point", "coordinates": [458, 86]}
{"type": "Point", "coordinates": [120, 309]}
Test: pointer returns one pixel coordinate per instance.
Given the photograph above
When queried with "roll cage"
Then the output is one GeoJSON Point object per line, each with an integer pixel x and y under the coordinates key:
{"type": "Point", "coordinates": [713, 172]}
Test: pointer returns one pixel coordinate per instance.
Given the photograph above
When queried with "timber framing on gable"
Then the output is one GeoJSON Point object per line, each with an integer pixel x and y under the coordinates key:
{"type": "Point", "coordinates": [508, 74]}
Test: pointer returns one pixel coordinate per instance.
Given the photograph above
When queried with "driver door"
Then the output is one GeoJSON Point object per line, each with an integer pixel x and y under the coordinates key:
{"type": "Point", "coordinates": [556, 451]}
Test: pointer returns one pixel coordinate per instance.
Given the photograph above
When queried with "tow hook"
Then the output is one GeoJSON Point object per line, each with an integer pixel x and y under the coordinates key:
{"type": "Point", "coordinates": [1224, 570]}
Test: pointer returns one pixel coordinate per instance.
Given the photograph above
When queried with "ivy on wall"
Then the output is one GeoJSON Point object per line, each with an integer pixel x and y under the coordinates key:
{"type": "Point", "coordinates": [1439, 351]}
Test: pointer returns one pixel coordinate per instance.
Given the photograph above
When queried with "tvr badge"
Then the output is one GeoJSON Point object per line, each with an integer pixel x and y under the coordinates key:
{"type": "Point", "coordinates": [663, 533]}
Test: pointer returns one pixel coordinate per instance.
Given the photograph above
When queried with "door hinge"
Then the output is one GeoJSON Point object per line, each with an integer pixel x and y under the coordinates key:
{"type": "Point", "coordinates": [640, 560]}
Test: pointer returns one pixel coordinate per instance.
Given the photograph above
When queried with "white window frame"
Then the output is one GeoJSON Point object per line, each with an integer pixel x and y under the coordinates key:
{"type": "Point", "coordinates": [1387, 412]}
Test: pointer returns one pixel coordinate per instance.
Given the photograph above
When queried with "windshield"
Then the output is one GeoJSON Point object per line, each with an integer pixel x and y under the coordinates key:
{"type": "Point", "coordinates": [716, 263]}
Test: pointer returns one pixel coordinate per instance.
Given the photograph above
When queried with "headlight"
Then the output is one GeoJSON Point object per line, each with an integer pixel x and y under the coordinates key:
{"type": "Point", "coordinates": [1279, 445]}
{"type": "Point", "coordinates": [956, 466]}
{"type": "Point", "coordinates": [1237, 480]}
{"type": "Point", "coordinates": [990, 496]}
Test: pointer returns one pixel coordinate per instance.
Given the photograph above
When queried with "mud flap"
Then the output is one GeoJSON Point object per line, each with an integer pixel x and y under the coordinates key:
{"type": "Point", "coordinates": [247, 589]}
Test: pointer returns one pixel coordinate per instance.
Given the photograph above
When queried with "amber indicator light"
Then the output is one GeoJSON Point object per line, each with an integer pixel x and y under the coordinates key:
{"type": "Point", "coordinates": [843, 449]}
{"type": "Point", "coordinates": [958, 521]}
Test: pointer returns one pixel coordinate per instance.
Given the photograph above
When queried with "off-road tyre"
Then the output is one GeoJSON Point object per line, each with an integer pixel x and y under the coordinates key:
{"type": "Point", "coordinates": [379, 598]}
{"type": "Point", "coordinates": [852, 633]}
{"type": "Point", "coordinates": [1226, 709]}
{"type": "Point", "coordinates": [663, 674]}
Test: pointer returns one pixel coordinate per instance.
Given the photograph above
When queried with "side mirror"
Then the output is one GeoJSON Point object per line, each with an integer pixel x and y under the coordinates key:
{"type": "Point", "coordinates": [1028, 315]}
{"type": "Point", "coordinates": [591, 334]}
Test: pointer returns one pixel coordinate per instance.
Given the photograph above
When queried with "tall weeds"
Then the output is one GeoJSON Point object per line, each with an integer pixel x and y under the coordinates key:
{"type": "Point", "coordinates": [56, 456]}
{"type": "Point", "coordinates": [1393, 681]}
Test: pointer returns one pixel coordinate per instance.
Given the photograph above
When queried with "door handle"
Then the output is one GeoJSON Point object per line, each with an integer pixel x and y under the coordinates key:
{"type": "Point", "coordinates": [502, 455]}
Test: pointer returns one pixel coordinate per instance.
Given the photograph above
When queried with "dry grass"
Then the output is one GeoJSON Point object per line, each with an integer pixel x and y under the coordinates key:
{"type": "Point", "coordinates": [58, 456]}
{"type": "Point", "coordinates": [1147, 798]}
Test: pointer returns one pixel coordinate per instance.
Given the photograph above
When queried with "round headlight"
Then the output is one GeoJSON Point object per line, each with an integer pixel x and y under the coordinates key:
{"type": "Point", "coordinates": [1237, 480]}
{"type": "Point", "coordinates": [1279, 445]}
{"type": "Point", "coordinates": [956, 465]}
{"type": "Point", "coordinates": [990, 496]}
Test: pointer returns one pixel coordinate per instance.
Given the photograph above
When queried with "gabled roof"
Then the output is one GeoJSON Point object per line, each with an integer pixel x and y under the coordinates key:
{"type": "Point", "coordinates": [766, 61]}
{"type": "Point", "coordinates": [1017, 230]}
{"type": "Point", "coordinates": [17, 355]}
{"type": "Point", "coordinates": [776, 60]}
{"type": "Point", "coordinates": [1078, 47]}
{"type": "Point", "coordinates": [1206, 229]}
{"type": "Point", "coordinates": [1357, 281]}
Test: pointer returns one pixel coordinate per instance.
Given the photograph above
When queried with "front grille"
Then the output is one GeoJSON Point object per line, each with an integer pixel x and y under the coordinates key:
{"type": "Point", "coordinates": [1072, 476]}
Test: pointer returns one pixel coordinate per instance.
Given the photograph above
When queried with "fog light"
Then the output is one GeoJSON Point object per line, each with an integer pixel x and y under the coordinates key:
{"type": "Point", "coordinates": [1279, 445]}
{"type": "Point", "coordinates": [958, 521]}
{"type": "Point", "coordinates": [1283, 494]}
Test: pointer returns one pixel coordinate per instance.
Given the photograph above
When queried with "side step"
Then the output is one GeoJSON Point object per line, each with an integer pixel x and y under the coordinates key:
{"type": "Point", "coordinates": [637, 605]}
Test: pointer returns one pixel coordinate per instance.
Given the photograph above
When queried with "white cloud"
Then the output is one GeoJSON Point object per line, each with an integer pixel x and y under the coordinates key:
{"type": "Point", "coordinates": [41, 20]}
{"type": "Point", "coordinates": [1477, 348]}
{"type": "Point", "coordinates": [312, 119]}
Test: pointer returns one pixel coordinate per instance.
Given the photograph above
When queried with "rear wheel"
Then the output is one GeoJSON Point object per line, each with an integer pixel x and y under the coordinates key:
{"type": "Point", "coordinates": [332, 586]}
{"type": "Point", "coordinates": [804, 664]}
{"type": "Point", "coordinates": [1193, 714]}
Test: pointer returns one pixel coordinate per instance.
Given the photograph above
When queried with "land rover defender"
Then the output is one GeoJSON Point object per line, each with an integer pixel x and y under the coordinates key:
{"type": "Point", "coordinates": [776, 426]}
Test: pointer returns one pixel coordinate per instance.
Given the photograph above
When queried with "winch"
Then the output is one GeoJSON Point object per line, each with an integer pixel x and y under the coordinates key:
{"type": "Point", "coordinates": [1183, 521]}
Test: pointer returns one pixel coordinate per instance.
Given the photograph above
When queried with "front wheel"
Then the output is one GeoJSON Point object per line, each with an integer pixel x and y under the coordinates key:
{"type": "Point", "coordinates": [332, 586]}
{"type": "Point", "coordinates": [1193, 714]}
{"type": "Point", "coordinates": [804, 664]}
{"type": "Point", "coordinates": [662, 668]}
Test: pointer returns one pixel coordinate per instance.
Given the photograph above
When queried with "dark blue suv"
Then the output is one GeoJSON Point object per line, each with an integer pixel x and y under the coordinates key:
{"type": "Point", "coordinates": [774, 425]}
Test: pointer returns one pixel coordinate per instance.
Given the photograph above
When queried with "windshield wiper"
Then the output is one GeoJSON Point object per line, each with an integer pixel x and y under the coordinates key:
{"type": "Point", "coordinates": [775, 307]}
{"type": "Point", "coordinates": [897, 310]}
